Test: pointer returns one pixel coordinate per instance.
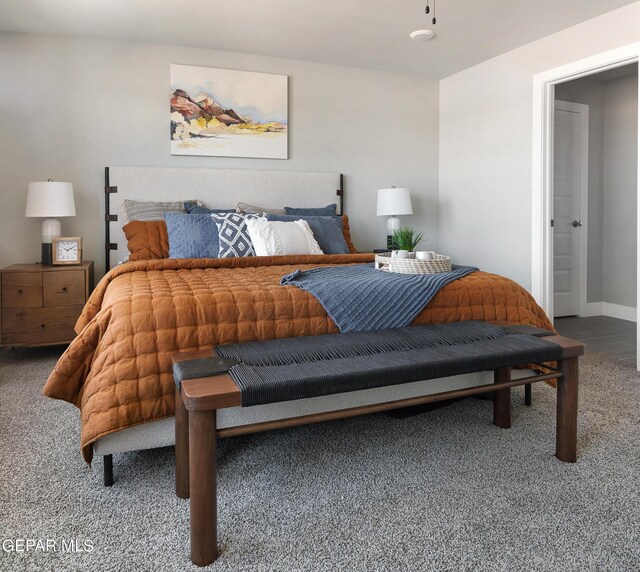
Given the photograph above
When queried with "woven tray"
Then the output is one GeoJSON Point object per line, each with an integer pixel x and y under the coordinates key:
{"type": "Point", "coordinates": [436, 265]}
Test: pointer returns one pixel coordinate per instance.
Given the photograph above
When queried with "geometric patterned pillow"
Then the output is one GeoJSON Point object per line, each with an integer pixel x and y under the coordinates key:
{"type": "Point", "coordinates": [233, 234]}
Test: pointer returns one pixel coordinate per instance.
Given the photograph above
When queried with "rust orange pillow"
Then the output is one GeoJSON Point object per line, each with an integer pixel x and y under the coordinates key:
{"type": "Point", "coordinates": [147, 240]}
{"type": "Point", "coordinates": [346, 232]}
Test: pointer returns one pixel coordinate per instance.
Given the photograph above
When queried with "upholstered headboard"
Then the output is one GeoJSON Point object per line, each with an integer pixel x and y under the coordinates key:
{"type": "Point", "coordinates": [222, 188]}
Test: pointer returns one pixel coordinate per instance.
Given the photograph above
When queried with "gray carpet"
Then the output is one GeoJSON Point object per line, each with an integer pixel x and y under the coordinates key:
{"type": "Point", "coordinates": [444, 490]}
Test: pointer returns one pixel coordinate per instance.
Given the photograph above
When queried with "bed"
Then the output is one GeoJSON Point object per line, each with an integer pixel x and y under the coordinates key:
{"type": "Point", "coordinates": [118, 369]}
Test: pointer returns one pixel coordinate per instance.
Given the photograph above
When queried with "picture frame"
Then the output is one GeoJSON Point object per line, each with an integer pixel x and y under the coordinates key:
{"type": "Point", "coordinates": [219, 112]}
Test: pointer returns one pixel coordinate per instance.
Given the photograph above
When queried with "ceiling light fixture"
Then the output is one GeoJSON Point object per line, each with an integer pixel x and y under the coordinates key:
{"type": "Point", "coordinates": [425, 35]}
{"type": "Point", "coordinates": [422, 35]}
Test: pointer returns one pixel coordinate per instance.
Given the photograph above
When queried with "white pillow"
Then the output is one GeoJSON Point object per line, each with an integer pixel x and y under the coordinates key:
{"type": "Point", "coordinates": [273, 238]}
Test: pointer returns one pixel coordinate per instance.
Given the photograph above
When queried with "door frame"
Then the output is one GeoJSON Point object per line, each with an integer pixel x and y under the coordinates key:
{"type": "Point", "coordinates": [583, 110]}
{"type": "Point", "coordinates": [542, 167]}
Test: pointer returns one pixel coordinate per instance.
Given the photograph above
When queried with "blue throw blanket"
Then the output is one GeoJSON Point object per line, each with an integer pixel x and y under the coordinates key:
{"type": "Point", "coordinates": [359, 297]}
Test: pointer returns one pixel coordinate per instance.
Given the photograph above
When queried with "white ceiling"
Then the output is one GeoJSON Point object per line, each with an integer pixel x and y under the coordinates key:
{"type": "Point", "coordinates": [363, 33]}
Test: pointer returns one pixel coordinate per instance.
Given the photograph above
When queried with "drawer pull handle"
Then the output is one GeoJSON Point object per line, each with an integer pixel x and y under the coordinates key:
{"type": "Point", "coordinates": [64, 288]}
{"type": "Point", "coordinates": [20, 291]}
{"type": "Point", "coordinates": [42, 326]}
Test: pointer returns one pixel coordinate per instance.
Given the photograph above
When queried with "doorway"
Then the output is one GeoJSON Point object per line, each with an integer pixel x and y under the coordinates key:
{"type": "Point", "coordinates": [542, 180]}
{"type": "Point", "coordinates": [595, 195]}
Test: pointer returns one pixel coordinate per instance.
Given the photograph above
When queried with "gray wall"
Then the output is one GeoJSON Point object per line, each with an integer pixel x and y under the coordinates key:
{"type": "Point", "coordinates": [620, 191]}
{"type": "Point", "coordinates": [69, 107]}
{"type": "Point", "coordinates": [486, 134]}
{"type": "Point", "coordinates": [613, 121]}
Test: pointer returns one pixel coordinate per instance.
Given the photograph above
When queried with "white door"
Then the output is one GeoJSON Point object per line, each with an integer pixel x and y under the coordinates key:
{"type": "Point", "coordinates": [570, 172]}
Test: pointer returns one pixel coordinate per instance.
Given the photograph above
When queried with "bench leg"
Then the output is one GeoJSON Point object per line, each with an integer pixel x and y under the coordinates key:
{"type": "Point", "coordinates": [527, 394]}
{"type": "Point", "coordinates": [182, 447]}
{"type": "Point", "coordinates": [202, 486]}
{"type": "Point", "coordinates": [502, 399]}
{"type": "Point", "coordinates": [567, 411]}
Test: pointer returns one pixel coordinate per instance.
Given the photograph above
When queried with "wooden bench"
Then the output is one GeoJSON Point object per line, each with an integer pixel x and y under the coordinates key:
{"type": "Point", "coordinates": [197, 401]}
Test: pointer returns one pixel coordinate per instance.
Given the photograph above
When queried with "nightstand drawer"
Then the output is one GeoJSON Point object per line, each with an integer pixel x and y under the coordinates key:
{"type": "Point", "coordinates": [22, 290]}
{"type": "Point", "coordinates": [39, 325]}
{"type": "Point", "coordinates": [63, 288]}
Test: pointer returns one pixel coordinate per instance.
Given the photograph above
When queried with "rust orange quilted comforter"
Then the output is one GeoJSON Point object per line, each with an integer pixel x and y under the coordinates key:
{"type": "Point", "coordinates": [118, 369]}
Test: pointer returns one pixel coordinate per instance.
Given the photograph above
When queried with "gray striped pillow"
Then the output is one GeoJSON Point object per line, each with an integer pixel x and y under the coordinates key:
{"type": "Point", "coordinates": [151, 210]}
{"type": "Point", "coordinates": [244, 208]}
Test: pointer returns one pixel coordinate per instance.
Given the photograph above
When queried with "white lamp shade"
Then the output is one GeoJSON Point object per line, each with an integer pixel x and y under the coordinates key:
{"type": "Point", "coordinates": [393, 202]}
{"type": "Point", "coordinates": [50, 199]}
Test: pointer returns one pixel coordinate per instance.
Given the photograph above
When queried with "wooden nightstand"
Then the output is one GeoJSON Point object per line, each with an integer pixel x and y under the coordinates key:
{"type": "Point", "coordinates": [40, 304]}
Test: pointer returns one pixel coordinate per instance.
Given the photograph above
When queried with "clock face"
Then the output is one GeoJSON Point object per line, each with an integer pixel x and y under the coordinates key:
{"type": "Point", "coordinates": [67, 251]}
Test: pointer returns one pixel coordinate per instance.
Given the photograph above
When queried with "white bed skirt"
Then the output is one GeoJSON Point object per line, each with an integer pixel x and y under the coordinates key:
{"type": "Point", "coordinates": [161, 433]}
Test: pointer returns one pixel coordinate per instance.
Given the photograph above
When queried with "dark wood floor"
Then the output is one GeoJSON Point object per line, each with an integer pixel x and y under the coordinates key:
{"type": "Point", "coordinates": [610, 336]}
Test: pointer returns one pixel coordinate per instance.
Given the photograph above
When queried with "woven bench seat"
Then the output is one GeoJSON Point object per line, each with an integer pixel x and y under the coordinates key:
{"type": "Point", "coordinates": [256, 373]}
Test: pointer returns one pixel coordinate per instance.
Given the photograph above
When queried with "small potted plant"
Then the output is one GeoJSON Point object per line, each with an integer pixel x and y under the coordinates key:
{"type": "Point", "coordinates": [406, 239]}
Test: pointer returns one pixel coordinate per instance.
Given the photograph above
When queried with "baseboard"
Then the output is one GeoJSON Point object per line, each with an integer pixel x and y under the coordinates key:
{"type": "Point", "coordinates": [591, 309]}
{"type": "Point", "coordinates": [618, 311]}
{"type": "Point", "coordinates": [608, 309]}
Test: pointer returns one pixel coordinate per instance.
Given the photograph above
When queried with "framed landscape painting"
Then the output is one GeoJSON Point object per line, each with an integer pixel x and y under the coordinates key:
{"type": "Point", "coordinates": [228, 113]}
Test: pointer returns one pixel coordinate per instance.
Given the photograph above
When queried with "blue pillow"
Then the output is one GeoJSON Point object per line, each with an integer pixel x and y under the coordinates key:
{"type": "Point", "coordinates": [329, 210]}
{"type": "Point", "coordinates": [192, 235]}
{"type": "Point", "coordinates": [193, 208]}
{"type": "Point", "coordinates": [327, 230]}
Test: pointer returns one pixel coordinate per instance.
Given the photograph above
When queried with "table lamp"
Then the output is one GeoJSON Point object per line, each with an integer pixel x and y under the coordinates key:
{"type": "Point", "coordinates": [393, 203]}
{"type": "Point", "coordinates": [50, 199]}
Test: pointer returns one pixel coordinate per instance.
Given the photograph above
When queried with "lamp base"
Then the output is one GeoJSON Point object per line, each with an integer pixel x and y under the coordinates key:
{"type": "Point", "coordinates": [393, 224]}
{"type": "Point", "coordinates": [51, 229]}
{"type": "Point", "coordinates": [47, 253]}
